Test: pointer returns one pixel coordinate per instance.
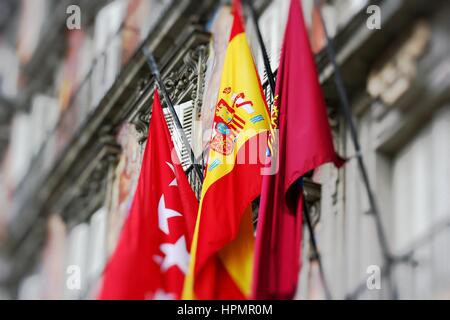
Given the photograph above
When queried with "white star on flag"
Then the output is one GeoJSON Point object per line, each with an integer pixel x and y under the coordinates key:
{"type": "Point", "coordinates": [160, 294]}
{"type": "Point", "coordinates": [174, 183]}
{"type": "Point", "coordinates": [164, 214]}
{"type": "Point", "coordinates": [176, 255]}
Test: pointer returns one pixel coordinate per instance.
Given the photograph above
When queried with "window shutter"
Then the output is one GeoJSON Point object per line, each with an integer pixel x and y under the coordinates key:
{"type": "Point", "coordinates": [185, 112]}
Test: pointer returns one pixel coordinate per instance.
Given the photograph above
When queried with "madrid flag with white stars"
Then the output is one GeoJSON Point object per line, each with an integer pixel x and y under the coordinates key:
{"type": "Point", "coordinates": [152, 255]}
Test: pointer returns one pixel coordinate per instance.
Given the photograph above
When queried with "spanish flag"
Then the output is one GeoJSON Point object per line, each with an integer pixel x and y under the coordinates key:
{"type": "Point", "coordinates": [221, 263]}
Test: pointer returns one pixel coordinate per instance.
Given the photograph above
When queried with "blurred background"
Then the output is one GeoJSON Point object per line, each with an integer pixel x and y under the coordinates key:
{"type": "Point", "coordinates": [75, 92]}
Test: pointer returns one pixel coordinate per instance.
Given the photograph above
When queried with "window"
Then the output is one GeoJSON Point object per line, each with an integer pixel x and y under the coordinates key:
{"type": "Point", "coordinates": [421, 181]}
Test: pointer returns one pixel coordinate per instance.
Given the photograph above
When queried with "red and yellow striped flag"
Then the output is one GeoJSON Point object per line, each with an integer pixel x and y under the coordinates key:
{"type": "Point", "coordinates": [222, 250]}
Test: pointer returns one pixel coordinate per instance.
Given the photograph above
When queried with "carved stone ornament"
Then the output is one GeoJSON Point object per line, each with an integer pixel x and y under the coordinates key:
{"type": "Point", "coordinates": [88, 188]}
{"type": "Point", "coordinates": [183, 78]}
{"type": "Point", "coordinates": [390, 81]}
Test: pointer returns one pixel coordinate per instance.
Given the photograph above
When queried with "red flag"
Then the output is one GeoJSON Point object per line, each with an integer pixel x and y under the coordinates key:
{"type": "Point", "coordinates": [302, 142]}
{"type": "Point", "coordinates": [152, 258]}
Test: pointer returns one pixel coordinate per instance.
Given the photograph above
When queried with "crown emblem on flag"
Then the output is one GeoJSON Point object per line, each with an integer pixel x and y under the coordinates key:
{"type": "Point", "coordinates": [228, 120]}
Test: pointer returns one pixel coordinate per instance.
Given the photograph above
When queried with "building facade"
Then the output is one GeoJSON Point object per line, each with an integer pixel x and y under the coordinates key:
{"type": "Point", "coordinates": [75, 111]}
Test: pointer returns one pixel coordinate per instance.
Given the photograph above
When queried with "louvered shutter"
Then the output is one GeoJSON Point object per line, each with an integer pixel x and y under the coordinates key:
{"type": "Point", "coordinates": [185, 114]}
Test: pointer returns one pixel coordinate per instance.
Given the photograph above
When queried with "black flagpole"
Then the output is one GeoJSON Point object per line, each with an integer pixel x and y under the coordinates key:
{"type": "Point", "coordinates": [155, 71]}
{"type": "Point", "coordinates": [316, 255]}
{"type": "Point", "coordinates": [348, 116]}
{"type": "Point", "coordinates": [267, 66]}
{"type": "Point", "coordinates": [387, 254]}
{"type": "Point", "coordinates": [271, 79]}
